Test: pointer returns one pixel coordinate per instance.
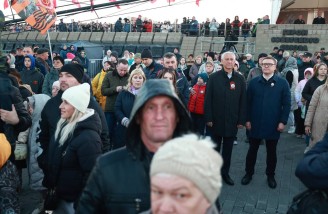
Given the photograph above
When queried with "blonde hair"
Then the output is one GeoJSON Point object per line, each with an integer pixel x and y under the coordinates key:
{"type": "Point", "coordinates": [65, 127]}
{"type": "Point", "coordinates": [136, 71]}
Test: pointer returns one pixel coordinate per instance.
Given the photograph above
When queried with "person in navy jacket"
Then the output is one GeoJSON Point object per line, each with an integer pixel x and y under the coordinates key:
{"type": "Point", "coordinates": [312, 169]}
{"type": "Point", "coordinates": [268, 106]}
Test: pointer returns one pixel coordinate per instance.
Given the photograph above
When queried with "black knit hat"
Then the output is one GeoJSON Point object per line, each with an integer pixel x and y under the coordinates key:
{"type": "Point", "coordinates": [146, 54]}
{"type": "Point", "coordinates": [261, 55]}
{"type": "Point", "coordinates": [76, 70]}
{"type": "Point", "coordinates": [211, 54]}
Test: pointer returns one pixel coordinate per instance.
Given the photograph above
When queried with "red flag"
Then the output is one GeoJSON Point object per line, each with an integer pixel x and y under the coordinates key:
{"type": "Point", "coordinates": [197, 2]}
{"type": "Point", "coordinates": [5, 4]}
{"type": "Point", "coordinates": [118, 6]}
{"type": "Point", "coordinates": [77, 3]}
{"type": "Point", "coordinates": [55, 3]}
{"type": "Point", "coordinates": [169, 1]}
{"type": "Point", "coordinates": [152, 1]}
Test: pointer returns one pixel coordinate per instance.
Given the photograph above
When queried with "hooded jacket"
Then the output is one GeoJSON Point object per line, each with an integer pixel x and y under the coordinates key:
{"type": "Point", "coordinates": [127, 190]}
{"type": "Point", "coordinates": [34, 171]}
{"type": "Point", "coordinates": [300, 86]}
{"type": "Point", "coordinates": [290, 73]}
{"type": "Point", "coordinates": [32, 76]}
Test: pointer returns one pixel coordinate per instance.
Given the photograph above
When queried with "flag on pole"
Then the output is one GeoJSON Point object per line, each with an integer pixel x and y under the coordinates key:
{"type": "Point", "coordinates": [77, 3]}
{"type": "Point", "coordinates": [55, 3]}
{"type": "Point", "coordinates": [5, 4]}
{"type": "Point", "coordinates": [118, 6]}
{"type": "Point", "coordinates": [40, 14]}
{"type": "Point", "coordinates": [152, 1]}
{"type": "Point", "coordinates": [169, 1]}
{"type": "Point", "coordinates": [197, 2]}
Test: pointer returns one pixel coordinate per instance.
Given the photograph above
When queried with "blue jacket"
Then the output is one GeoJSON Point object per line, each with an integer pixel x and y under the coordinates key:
{"type": "Point", "coordinates": [312, 169]}
{"type": "Point", "coordinates": [151, 72]}
{"type": "Point", "coordinates": [268, 104]}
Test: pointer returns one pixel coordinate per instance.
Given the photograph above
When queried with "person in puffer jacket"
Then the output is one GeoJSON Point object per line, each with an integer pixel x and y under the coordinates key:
{"type": "Point", "coordinates": [196, 103]}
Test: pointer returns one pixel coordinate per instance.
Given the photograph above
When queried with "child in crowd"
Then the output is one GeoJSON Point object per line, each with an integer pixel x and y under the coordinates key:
{"type": "Point", "coordinates": [196, 103]}
{"type": "Point", "coordinates": [55, 88]}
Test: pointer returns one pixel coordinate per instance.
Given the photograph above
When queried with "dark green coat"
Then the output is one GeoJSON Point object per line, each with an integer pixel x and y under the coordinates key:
{"type": "Point", "coordinates": [108, 88]}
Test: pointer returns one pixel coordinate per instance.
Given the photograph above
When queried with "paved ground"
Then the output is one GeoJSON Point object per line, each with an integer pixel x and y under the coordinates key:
{"type": "Point", "coordinates": [255, 198]}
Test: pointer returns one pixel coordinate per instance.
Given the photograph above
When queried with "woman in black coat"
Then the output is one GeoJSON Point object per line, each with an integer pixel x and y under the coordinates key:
{"type": "Point", "coordinates": [74, 149]}
{"type": "Point", "coordinates": [124, 103]}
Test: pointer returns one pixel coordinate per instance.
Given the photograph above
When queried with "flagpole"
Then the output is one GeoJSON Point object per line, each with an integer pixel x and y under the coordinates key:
{"type": "Point", "coordinates": [50, 46]}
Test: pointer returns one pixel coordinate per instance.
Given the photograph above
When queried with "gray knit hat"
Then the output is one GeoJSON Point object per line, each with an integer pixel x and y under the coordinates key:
{"type": "Point", "coordinates": [193, 159]}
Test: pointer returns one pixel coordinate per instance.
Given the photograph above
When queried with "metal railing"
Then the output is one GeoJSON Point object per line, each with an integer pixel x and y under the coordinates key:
{"type": "Point", "coordinates": [95, 66]}
{"type": "Point", "coordinates": [222, 46]}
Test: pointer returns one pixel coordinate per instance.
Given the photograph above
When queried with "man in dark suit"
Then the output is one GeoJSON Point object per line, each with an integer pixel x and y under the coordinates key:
{"type": "Point", "coordinates": [299, 20]}
{"type": "Point", "coordinates": [319, 19]}
{"type": "Point", "coordinates": [225, 109]}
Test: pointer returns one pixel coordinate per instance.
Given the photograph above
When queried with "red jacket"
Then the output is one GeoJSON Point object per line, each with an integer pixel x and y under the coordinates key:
{"type": "Point", "coordinates": [148, 26]}
{"type": "Point", "coordinates": [196, 101]}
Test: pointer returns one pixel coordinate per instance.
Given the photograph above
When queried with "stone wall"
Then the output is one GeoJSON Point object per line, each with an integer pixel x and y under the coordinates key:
{"type": "Point", "coordinates": [265, 33]}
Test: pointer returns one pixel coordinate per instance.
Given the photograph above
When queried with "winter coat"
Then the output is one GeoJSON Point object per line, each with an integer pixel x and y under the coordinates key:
{"type": "Point", "coordinates": [152, 70]}
{"type": "Point", "coordinates": [268, 104]}
{"type": "Point", "coordinates": [9, 183]}
{"type": "Point", "coordinates": [193, 72]}
{"type": "Point", "coordinates": [111, 80]}
{"type": "Point", "coordinates": [49, 80]}
{"type": "Point", "coordinates": [309, 88]}
{"type": "Point", "coordinates": [96, 88]}
{"type": "Point", "coordinates": [290, 73]}
{"type": "Point", "coordinates": [184, 71]}
{"type": "Point", "coordinates": [50, 116]}
{"type": "Point", "coordinates": [211, 210]}
{"type": "Point", "coordinates": [119, 182]}
{"type": "Point", "coordinates": [123, 108]}
{"type": "Point", "coordinates": [183, 88]}
{"type": "Point", "coordinates": [300, 87]}
{"type": "Point", "coordinates": [34, 172]}
{"type": "Point", "coordinates": [213, 26]}
{"type": "Point", "coordinates": [68, 169]}
{"type": "Point", "coordinates": [311, 170]}
{"type": "Point", "coordinates": [118, 26]}
{"type": "Point", "coordinates": [148, 26]}
{"type": "Point", "coordinates": [244, 68]}
{"type": "Point", "coordinates": [63, 53]}
{"type": "Point", "coordinates": [254, 72]}
{"type": "Point", "coordinates": [202, 68]}
{"type": "Point", "coordinates": [25, 121]}
{"type": "Point", "coordinates": [225, 102]}
{"type": "Point", "coordinates": [196, 101]}
{"type": "Point", "coordinates": [32, 77]}
{"type": "Point", "coordinates": [317, 114]}
{"type": "Point", "coordinates": [42, 65]}
{"type": "Point", "coordinates": [302, 67]}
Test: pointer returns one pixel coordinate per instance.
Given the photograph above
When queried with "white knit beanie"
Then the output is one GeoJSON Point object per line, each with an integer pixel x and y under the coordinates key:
{"type": "Point", "coordinates": [78, 96]}
{"type": "Point", "coordinates": [193, 159]}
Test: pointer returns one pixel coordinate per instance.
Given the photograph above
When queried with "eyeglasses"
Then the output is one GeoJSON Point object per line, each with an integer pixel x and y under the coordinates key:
{"type": "Point", "coordinates": [267, 64]}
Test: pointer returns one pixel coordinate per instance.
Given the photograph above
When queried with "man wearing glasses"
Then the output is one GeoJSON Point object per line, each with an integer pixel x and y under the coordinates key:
{"type": "Point", "coordinates": [268, 106]}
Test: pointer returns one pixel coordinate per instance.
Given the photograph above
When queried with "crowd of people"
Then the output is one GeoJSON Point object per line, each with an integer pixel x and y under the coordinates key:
{"type": "Point", "coordinates": [188, 26]}
{"type": "Point", "coordinates": [121, 142]}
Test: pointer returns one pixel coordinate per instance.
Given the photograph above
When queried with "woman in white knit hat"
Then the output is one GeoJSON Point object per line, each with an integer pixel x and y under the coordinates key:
{"type": "Point", "coordinates": [73, 150]}
{"type": "Point", "coordinates": [185, 177]}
